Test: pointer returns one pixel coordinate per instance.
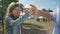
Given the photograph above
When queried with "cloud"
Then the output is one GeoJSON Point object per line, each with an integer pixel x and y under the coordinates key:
{"type": "Point", "coordinates": [53, 3]}
{"type": "Point", "coordinates": [39, 8]}
{"type": "Point", "coordinates": [27, 6]}
{"type": "Point", "coordinates": [59, 2]}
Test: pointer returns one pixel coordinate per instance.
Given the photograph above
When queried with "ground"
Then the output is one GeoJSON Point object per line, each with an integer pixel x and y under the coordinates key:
{"type": "Point", "coordinates": [33, 27]}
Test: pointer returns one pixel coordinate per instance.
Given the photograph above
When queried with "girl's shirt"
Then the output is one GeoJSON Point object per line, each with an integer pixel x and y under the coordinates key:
{"type": "Point", "coordinates": [13, 26]}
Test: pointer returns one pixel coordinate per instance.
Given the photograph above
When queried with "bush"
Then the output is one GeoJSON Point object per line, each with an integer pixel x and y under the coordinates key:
{"type": "Point", "coordinates": [44, 19]}
{"type": "Point", "coordinates": [38, 20]}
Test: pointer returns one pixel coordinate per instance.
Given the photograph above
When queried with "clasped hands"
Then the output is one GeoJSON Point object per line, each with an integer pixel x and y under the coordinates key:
{"type": "Point", "coordinates": [32, 11]}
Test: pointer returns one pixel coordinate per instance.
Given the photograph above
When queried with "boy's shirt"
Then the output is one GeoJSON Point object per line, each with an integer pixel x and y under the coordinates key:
{"type": "Point", "coordinates": [56, 18]}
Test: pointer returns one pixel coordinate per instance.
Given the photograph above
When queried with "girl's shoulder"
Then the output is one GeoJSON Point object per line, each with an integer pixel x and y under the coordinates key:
{"type": "Point", "coordinates": [8, 18]}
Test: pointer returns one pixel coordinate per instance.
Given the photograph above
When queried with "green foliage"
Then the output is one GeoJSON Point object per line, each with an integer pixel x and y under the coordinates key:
{"type": "Point", "coordinates": [3, 7]}
{"type": "Point", "coordinates": [44, 9]}
{"type": "Point", "coordinates": [21, 7]}
{"type": "Point", "coordinates": [50, 10]}
{"type": "Point", "coordinates": [5, 4]}
{"type": "Point", "coordinates": [44, 19]}
{"type": "Point", "coordinates": [38, 20]}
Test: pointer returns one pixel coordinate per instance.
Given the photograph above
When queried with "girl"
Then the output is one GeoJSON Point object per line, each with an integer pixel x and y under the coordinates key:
{"type": "Point", "coordinates": [13, 18]}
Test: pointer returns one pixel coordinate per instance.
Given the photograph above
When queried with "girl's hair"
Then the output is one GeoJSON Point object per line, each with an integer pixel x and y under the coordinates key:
{"type": "Point", "coordinates": [10, 8]}
{"type": "Point", "coordinates": [7, 13]}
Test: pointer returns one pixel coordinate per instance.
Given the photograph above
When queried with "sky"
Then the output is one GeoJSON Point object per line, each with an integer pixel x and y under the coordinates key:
{"type": "Point", "coordinates": [52, 4]}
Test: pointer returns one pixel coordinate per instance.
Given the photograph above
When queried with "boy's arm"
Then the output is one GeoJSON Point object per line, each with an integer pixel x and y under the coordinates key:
{"type": "Point", "coordinates": [40, 12]}
{"type": "Point", "coordinates": [44, 14]}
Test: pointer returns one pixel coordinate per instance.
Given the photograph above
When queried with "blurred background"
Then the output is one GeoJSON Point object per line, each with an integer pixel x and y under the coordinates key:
{"type": "Point", "coordinates": [34, 24]}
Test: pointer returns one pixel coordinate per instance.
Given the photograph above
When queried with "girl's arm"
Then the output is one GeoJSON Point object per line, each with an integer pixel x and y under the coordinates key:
{"type": "Point", "coordinates": [17, 21]}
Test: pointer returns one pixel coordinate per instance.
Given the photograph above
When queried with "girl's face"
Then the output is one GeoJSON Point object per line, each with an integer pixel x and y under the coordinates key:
{"type": "Point", "coordinates": [16, 11]}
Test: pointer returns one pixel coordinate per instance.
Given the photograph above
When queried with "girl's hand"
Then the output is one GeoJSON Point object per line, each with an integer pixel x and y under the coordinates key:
{"type": "Point", "coordinates": [34, 10]}
{"type": "Point", "coordinates": [26, 10]}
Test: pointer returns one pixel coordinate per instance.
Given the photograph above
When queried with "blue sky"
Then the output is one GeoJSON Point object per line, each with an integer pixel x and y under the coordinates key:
{"type": "Point", "coordinates": [52, 4]}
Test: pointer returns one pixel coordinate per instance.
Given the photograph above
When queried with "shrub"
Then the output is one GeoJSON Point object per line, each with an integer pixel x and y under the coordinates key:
{"type": "Point", "coordinates": [38, 19]}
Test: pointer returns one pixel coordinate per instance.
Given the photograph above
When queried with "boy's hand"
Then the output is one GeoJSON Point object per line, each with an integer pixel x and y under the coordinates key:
{"type": "Point", "coordinates": [32, 10]}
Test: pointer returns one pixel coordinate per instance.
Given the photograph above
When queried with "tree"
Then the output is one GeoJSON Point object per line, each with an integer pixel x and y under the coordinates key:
{"type": "Point", "coordinates": [21, 6]}
{"type": "Point", "coordinates": [44, 9]}
{"type": "Point", "coordinates": [49, 10]}
{"type": "Point", "coordinates": [3, 6]}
